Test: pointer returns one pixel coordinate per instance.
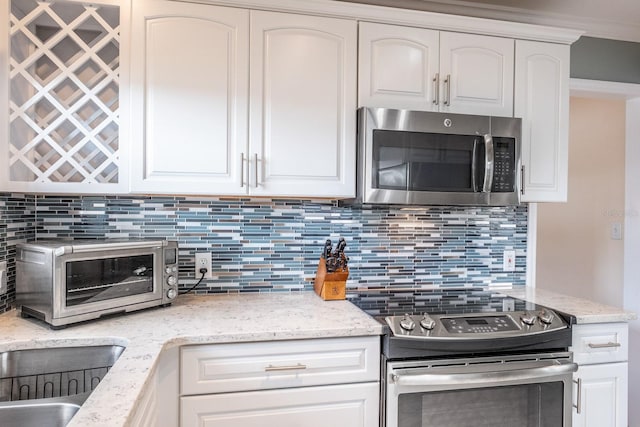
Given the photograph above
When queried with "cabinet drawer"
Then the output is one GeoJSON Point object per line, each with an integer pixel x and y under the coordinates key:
{"type": "Point", "coordinates": [600, 343]}
{"type": "Point", "coordinates": [352, 405]}
{"type": "Point", "coordinates": [219, 368]}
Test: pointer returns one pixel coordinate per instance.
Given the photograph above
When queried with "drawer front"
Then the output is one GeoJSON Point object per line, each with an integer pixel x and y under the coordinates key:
{"type": "Point", "coordinates": [600, 343]}
{"type": "Point", "coordinates": [220, 368]}
{"type": "Point", "coordinates": [352, 405]}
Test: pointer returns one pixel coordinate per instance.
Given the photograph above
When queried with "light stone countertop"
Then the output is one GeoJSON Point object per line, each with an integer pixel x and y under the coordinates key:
{"type": "Point", "coordinates": [584, 311]}
{"type": "Point", "coordinates": [191, 320]}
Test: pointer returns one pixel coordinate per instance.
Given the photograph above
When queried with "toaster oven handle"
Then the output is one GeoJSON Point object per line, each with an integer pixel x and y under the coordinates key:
{"type": "Point", "coordinates": [489, 162]}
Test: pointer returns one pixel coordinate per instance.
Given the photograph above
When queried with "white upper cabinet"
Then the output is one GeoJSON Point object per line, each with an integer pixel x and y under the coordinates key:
{"type": "Point", "coordinates": [63, 98]}
{"type": "Point", "coordinates": [398, 67]}
{"type": "Point", "coordinates": [427, 70]}
{"type": "Point", "coordinates": [303, 102]}
{"type": "Point", "coordinates": [542, 101]}
{"type": "Point", "coordinates": [198, 130]}
{"type": "Point", "coordinates": [190, 86]}
{"type": "Point", "coordinates": [476, 74]}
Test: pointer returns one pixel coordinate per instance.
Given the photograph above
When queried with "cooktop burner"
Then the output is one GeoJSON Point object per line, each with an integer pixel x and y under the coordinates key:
{"type": "Point", "coordinates": [386, 302]}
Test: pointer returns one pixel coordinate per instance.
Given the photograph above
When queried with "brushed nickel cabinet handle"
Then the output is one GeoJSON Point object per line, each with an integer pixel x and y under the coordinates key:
{"type": "Point", "coordinates": [241, 170]}
{"type": "Point", "coordinates": [255, 158]}
{"type": "Point", "coordinates": [436, 89]}
{"type": "Point", "coordinates": [605, 345]}
{"type": "Point", "coordinates": [522, 180]}
{"type": "Point", "coordinates": [447, 85]}
{"type": "Point", "coordinates": [578, 404]}
{"type": "Point", "coordinates": [296, 367]}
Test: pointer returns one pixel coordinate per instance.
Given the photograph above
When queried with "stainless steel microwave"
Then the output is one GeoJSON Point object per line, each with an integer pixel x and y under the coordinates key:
{"type": "Point", "coordinates": [426, 158]}
{"type": "Point", "coordinates": [68, 281]}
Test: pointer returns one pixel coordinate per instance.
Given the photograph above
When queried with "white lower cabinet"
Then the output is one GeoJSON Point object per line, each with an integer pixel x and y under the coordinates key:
{"type": "Point", "coordinates": [600, 384]}
{"type": "Point", "coordinates": [301, 383]}
{"type": "Point", "coordinates": [354, 405]}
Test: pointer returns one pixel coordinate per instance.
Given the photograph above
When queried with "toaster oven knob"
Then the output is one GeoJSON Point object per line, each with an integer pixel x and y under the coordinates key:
{"type": "Point", "coordinates": [172, 281]}
{"type": "Point", "coordinates": [407, 323]}
{"type": "Point", "coordinates": [168, 270]}
{"type": "Point", "coordinates": [172, 293]}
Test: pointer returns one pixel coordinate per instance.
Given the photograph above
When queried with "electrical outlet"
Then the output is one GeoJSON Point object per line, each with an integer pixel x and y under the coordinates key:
{"type": "Point", "coordinates": [3, 277]}
{"type": "Point", "coordinates": [616, 231]}
{"type": "Point", "coordinates": [509, 261]}
{"type": "Point", "coordinates": [203, 260]}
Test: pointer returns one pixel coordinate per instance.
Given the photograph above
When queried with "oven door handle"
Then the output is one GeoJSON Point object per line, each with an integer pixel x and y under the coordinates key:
{"type": "Point", "coordinates": [551, 369]}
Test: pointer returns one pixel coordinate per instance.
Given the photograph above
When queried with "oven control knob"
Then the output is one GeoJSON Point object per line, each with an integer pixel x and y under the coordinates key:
{"type": "Point", "coordinates": [427, 322]}
{"type": "Point", "coordinates": [546, 317]}
{"type": "Point", "coordinates": [528, 319]}
{"type": "Point", "coordinates": [407, 323]}
{"type": "Point", "coordinates": [172, 281]}
{"type": "Point", "coordinates": [172, 293]}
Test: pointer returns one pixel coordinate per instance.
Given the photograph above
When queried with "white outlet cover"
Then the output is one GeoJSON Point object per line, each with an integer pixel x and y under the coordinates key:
{"type": "Point", "coordinates": [202, 259]}
{"type": "Point", "coordinates": [509, 261]}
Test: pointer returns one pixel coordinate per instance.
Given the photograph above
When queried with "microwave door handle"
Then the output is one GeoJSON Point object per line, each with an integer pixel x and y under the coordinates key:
{"type": "Point", "coordinates": [489, 162]}
{"type": "Point", "coordinates": [474, 165]}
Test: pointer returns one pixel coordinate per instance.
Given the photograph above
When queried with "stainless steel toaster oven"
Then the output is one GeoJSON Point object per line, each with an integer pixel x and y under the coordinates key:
{"type": "Point", "coordinates": [69, 281]}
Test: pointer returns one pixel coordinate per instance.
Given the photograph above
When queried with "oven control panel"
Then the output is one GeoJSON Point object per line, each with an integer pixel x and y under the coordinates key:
{"type": "Point", "coordinates": [479, 325]}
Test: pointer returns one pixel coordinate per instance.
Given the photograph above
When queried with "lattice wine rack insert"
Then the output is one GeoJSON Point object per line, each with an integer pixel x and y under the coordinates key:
{"type": "Point", "coordinates": [64, 109]}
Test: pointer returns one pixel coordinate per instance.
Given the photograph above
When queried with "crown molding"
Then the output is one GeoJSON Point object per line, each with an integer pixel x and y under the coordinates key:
{"type": "Point", "coordinates": [592, 27]}
{"type": "Point", "coordinates": [402, 14]}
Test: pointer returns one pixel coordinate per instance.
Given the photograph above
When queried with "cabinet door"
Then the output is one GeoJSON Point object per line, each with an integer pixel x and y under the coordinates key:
{"type": "Point", "coordinates": [303, 101]}
{"type": "Point", "coordinates": [353, 405]}
{"type": "Point", "coordinates": [602, 393]}
{"type": "Point", "coordinates": [64, 74]}
{"type": "Point", "coordinates": [476, 74]}
{"type": "Point", "coordinates": [542, 100]}
{"type": "Point", "coordinates": [190, 80]}
{"type": "Point", "coordinates": [398, 67]}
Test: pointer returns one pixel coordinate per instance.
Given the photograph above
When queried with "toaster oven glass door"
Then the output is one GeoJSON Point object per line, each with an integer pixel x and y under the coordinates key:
{"type": "Point", "coordinates": [94, 280]}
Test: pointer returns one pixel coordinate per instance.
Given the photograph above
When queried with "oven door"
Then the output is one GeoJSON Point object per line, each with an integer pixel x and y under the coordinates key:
{"type": "Point", "coordinates": [94, 281]}
{"type": "Point", "coordinates": [510, 391]}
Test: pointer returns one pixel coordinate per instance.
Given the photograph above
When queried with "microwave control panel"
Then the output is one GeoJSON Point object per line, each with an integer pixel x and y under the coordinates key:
{"type": "Point", "coordinates": [504, 167]}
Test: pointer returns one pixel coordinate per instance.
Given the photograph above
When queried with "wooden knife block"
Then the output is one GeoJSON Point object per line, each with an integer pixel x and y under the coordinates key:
{"type": "Point", "coordinates": [331, 286]}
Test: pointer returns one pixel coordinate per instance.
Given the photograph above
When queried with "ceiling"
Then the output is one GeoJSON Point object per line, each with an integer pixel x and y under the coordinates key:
{"type": "Point", "coordinates": [612, 19]}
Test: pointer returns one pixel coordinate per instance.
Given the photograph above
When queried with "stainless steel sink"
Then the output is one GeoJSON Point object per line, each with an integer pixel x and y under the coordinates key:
{"type": "Point", "coordinates": [47, 386]}
{"type": "Point", "coordinates": [28, 414]}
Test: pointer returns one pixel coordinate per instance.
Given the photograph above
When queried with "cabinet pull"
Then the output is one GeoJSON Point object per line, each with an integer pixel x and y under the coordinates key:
{"type": "Point", "coordinates": [605, 345]}
{"type": "Point", "coordinates": [241, 170]}
{"type": "Point", "coordinates": [296, 367]}
{"type": "Point", "coordinates": [522, 180]}
{"type": "Point", "coordinates": [578, 404]}
{"type": "Point", "coordinates": [436, 89]}
{"type": "Point", "coordinates": [447, 85]}
{"type": "Point", "coordinates": [255, 158]}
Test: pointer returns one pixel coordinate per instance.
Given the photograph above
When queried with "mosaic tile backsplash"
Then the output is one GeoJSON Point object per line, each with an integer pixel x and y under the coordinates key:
{"type": "Point", "coordinates": [274, 245]}
{"type": "Point", "coordinates": [17, 224]}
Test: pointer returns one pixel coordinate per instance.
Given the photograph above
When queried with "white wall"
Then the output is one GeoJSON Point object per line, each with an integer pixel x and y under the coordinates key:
{"type": "Point", "coordinates": [575, 253]}
{"type": "Point", "coordinates": [632, 254]}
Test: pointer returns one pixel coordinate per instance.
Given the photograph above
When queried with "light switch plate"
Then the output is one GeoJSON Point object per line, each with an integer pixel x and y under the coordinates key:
{"type": "Point", "coordinates": [3, 277]}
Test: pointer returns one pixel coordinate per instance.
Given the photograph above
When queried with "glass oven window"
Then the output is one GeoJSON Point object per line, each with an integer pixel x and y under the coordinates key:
{"type": "Point", "coordinates": [103, 279]}
{"type": "Point", "coordinates": [527, 405]}
{"type": "Point", "coordinates": [420, 161]}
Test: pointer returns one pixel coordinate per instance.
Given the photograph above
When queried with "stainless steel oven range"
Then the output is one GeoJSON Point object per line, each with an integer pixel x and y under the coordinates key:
{"type": "Point", "coordinates": [460, 358]}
